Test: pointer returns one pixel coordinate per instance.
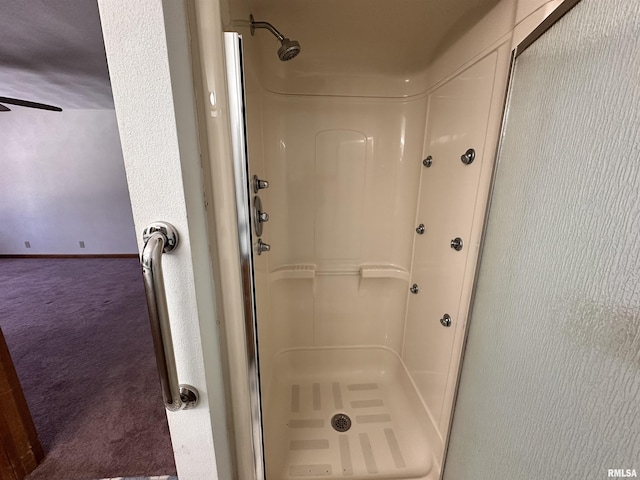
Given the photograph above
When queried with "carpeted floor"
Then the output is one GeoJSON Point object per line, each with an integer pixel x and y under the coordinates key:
{"type": "Point", "coordinates": [78, 333]}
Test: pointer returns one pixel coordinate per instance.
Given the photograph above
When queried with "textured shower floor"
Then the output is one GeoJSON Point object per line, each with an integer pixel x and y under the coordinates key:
{"type": "Point", "coordinates": [387, 438]}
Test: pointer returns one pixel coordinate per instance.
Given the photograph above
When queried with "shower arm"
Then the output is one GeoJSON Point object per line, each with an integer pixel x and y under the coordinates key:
{"type": "Point", "coordinates": [268, 26]}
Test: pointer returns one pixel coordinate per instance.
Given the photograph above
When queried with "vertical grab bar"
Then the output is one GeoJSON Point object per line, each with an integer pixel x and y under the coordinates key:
{"type": "Point", "coordinates": [159, 238]}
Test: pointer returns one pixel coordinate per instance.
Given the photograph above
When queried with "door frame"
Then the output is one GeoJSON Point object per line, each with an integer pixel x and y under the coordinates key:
{"type": "Point", "coordinates": [149, 55]}
{"type": "Point", "coordinates": [237, 108]}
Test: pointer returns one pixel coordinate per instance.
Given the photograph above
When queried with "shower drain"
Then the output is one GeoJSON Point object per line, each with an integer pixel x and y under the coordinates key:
{"type": "Point", "coordinates": [341, 422]}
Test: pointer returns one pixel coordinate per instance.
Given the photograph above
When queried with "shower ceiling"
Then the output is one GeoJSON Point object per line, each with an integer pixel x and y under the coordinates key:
{"type": "Point", "coordinates": [51, 51]}
{"type": "Point", "coordinates": [379, 36]}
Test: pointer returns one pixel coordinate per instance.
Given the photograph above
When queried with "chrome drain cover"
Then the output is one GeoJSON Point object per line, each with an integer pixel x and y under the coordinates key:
{"type": "Point", "coordinates": [341, 422]}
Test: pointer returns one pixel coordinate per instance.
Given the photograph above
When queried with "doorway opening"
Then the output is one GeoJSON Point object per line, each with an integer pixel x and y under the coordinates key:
{"type": "Point", "coordinates": [73, 307]}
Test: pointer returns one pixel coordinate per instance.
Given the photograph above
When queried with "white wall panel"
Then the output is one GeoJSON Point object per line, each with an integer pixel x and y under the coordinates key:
{"type": "Point", "coordinates": [386, 175]}
{"type": "Point", "coordinates": [343, 192]}
{"type": "Point", "coordinates": [551, 381]}
{"type": "Point", "coordinates": [339, 177]}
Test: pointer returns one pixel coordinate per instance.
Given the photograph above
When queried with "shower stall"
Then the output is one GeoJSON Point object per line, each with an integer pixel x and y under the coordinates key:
{"type": "Point", "coordinates": [330, 210]}
{"type": "Point", "coordinates": [363, 162]}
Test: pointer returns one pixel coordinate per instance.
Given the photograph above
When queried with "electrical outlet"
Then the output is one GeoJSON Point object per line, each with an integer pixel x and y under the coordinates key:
{"type": "Point", "coordinates": [81, 243]}
{"type": "Point", "coordinates": [27, 244]}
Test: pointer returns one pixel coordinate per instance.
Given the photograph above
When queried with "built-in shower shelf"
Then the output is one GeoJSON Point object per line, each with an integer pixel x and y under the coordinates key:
{"type": "Point", "coordinates": [302, 271]}
{"type": "Point", "coordinates": [384, 271]}
{"type": "Point", "coordinates": [339, 270]}
{"type": "Point", "coordinates": [293, 271]}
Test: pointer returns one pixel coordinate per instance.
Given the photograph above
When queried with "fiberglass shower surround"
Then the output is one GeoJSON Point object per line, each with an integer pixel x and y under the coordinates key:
{"type": "Point", "coordinates": [362, 261]}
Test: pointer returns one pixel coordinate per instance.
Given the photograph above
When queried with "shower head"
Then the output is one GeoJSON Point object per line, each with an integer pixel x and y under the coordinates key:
{"type": "Point", "coordinates": [288, 48]}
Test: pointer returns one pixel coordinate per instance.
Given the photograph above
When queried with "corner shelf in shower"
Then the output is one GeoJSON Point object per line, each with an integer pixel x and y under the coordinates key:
{"type": "Point", "coordinates": [310, 271]}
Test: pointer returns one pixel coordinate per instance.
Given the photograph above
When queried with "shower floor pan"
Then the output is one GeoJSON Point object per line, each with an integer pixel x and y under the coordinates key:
{"type": "Point", "coordinates": [388, 435]}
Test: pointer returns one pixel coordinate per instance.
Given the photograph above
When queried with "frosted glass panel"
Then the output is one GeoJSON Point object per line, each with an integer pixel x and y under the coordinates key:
{"type": "Point", "coordinates": [550, 384]}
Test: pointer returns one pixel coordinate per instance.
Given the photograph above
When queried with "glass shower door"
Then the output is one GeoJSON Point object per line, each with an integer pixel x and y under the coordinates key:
{"type": "Point", "coordinates": [550, 385]}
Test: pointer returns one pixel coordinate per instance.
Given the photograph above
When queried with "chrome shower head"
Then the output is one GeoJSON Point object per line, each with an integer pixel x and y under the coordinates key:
{"type": "Point", "coordinates": [288, 48]}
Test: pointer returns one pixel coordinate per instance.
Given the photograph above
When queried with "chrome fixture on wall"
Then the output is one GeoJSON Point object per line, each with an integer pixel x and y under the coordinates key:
{"type": "Point", "coordinates": [262, 247]}
{"type": "Point", "coordinates": [259, 184]}
{"type": "Point", "coordinates": [288, 48]}
{"type": "Point", "coordinates": [427, 162]}
{"type": "Point", "coordinates": [445, 321]}
{"type": "Point", "coordinates": [420, 229]}
{"type": "Point", "coordinates": [259, 217]}
{"type": "Point", "coordinates": [414, 288]}
{"type": "Point", "coordinates": [457, 244]}
{"type": "Point", "coordinates": [468, 157]}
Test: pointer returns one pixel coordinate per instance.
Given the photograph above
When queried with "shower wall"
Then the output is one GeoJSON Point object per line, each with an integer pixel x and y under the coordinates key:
{"type": "Point", "coordinates": [468, 81]}
{"type": "Point", "coordinates": [464, 113]}
{"type": "Point", "coordinates": [344, 176]}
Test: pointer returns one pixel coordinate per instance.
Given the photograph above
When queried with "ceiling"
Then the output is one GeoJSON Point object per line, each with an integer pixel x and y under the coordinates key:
{"type": "Point", "coordinates": [51, 51]}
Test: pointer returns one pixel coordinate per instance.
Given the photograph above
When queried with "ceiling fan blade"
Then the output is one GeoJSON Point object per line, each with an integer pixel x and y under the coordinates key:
{"type": "Point", "coordinates": [4, 109]}
{"type": "Point", "coordinates": [25, 103]}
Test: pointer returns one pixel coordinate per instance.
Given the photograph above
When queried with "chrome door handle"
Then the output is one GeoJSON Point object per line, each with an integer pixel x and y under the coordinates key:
{"type": "Point", "coordinates": [161, 237]}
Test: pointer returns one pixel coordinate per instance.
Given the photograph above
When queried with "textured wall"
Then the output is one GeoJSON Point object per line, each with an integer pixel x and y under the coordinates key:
{"type": "Point", "coordinates": [551, 378]}
{"type": "Point", "coordinates": [63, 181]}
{"type": "Point", "coordinates": [147, 48]}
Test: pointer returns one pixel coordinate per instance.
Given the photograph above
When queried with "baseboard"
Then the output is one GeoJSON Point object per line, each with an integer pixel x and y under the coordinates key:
{"type": "Point", "coordinates": [90, 255]}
